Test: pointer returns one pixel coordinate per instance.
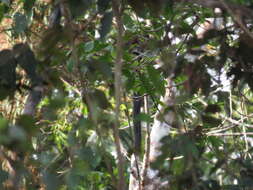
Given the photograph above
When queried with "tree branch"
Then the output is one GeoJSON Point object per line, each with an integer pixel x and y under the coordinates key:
{"type": "Point", "coordinates": [117, 10]}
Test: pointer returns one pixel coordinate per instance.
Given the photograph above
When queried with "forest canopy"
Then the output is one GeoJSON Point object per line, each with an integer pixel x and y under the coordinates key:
{"type": "Point", "coordinates": [126, 94]}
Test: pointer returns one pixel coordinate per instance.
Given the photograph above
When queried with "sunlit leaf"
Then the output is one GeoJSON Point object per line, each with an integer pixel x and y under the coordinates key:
{"type": "Point", "coordinates": [89, 46]}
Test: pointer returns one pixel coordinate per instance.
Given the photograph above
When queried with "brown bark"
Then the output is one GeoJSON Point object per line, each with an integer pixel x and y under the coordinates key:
{"type": "Point", "coordinates": [117, 10]}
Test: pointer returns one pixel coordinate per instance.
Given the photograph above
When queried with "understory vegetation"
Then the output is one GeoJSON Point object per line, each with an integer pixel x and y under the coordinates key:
{"type": "Point", "coordinates": [126, 94]}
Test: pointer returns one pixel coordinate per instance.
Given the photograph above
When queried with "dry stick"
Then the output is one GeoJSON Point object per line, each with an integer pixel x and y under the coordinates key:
{"type": "Point", "coordinates": [243, 127]}
{"type": "Point", "coordinates": [230, 134]}
{"type": "Point", "coordinates": [116, 5]}
{"type": "Point", "coordinates": [239, 122]}
{"type": "Point", "coordinates": [220, 130]}
{"type": "Point", "coordinates": [147, 147]}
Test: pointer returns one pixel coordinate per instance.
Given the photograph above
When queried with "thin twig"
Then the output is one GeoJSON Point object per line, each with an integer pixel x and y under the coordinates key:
{"type": "Point", "coordinates": [220, 130]}
{"type": "Point", "coordinates": [244, 109]}
{"type": "Point", "coordinates": [230, 134]}
{"type": "Point", "coordinates": [239, 122]}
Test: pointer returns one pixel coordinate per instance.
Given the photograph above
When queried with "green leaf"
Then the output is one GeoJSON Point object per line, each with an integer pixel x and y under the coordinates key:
{"type": "Point", "coordinates": [84, 123]}
{"type": "Point", "coordinates": [155, 78]}
{"type": "Point", "coordinates": [50, 111]}
{"type": "Point", "coordinates": [90, 156]}
{"type": "Point", "coordinates": [57, 103]}
{"type": "Point", "coordinates": [27, 122]}
{"type": "Point", "coordinates": [144, 117]}
{"type": "Point", "coordinates": [106, 23]}
{"type": "Point", "coordinates": [7, 2]}
{"type": "Point", "coordinates": [70, 64]}
{"type": "Point", "coordinates": [128, 21]}
{"type": "Point", "coordinates": [215, 141]}
{"type": "Point", "coordinates": [184, 28]}
{"type": "Point", "coordinates": [130, 79]}
{"type": "Point", "coordinates": [20, 23]}
{"type": "Point", "coordinates": [89, 46]}
{"type": "Point", "coordinates": [99, 45]}
{"type": "Point", "coordinates": [17, 133]}
{"type": "Point", "coordinates": [3, 124]}
{"type": "Point", "coordinates": [28, 5]}
{"type": "Point", "coordinates": [4, 137]}
{"type": "Point", "coordinates": [1, 12]}
{"type": "Point", "coordinates": [96, 176]}
{"type": "Point", "coordinates": [178, 166]}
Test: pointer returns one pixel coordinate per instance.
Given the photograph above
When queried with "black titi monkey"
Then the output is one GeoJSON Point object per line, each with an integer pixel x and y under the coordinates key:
{"type": "Point", "coordinates": [137, 103]}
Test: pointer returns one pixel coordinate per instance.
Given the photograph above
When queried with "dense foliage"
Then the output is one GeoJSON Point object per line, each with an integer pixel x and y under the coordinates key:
{"type": "Point", "coordinates": [66, 119]}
